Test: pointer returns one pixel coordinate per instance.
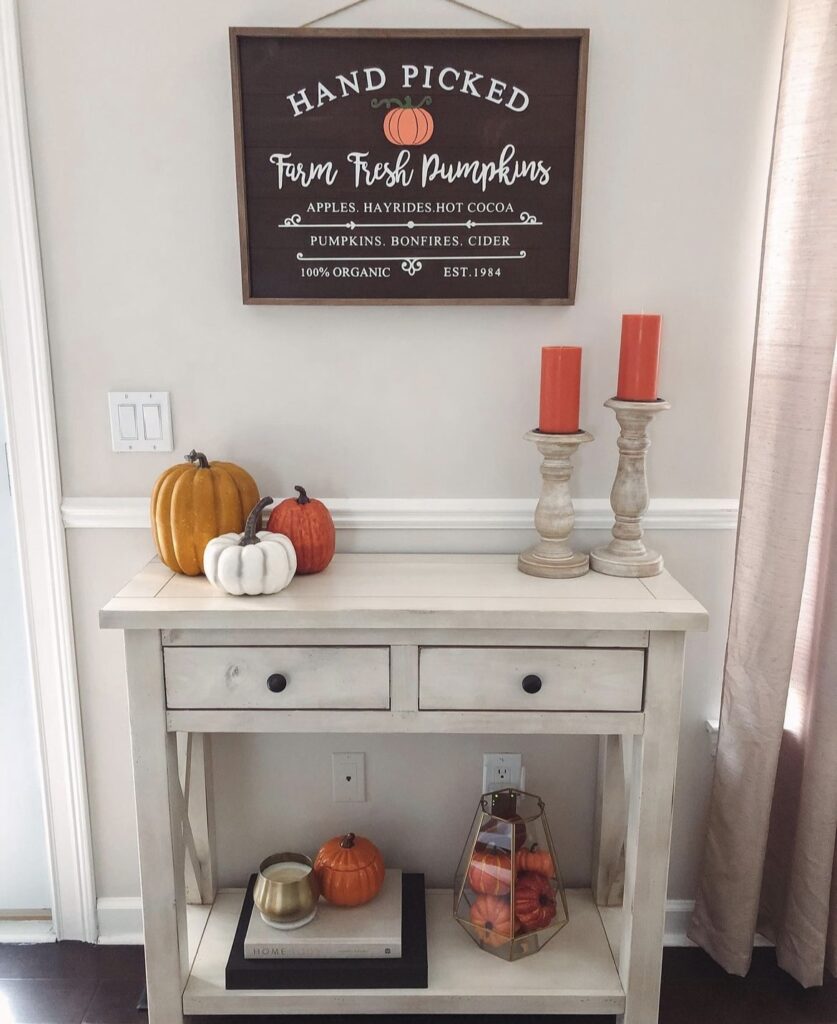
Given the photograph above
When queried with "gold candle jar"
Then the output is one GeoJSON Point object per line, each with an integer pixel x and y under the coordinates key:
{"type": "Point", "coordinates": [286, 891]}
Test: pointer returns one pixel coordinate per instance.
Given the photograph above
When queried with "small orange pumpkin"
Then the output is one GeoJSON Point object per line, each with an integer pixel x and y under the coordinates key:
{"type": "Point", "coordinates": [405, 124]}
{"type": "Point", "coordinates": [534, 901]}
{"type": "Point", "coordinates": [308, 524]}
{"type": "Point", "coordinates": [350, 870]}
{"type": "Point", "coordinates": [490, 871]}
{"type": "Point", "coordinates": [491, 917]}
{"type": "Point", "coordinates": [535, 860]}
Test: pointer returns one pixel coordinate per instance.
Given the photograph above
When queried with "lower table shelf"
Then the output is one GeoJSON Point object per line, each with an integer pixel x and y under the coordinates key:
{"type": "Point", "coordinates": [574, 973]}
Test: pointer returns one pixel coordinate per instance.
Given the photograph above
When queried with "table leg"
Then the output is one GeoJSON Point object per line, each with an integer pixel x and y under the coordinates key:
{"type": "Point", "coordinates": [654, 761]}
{"type": "Point", "coordinates": [610, 824]}
{"type": "Point", "coordinates": [161, 853]}
{"type": "Point", "coordinates": [195, 763]}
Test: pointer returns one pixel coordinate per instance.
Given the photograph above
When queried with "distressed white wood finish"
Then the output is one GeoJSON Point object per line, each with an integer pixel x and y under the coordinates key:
{"type": "Point", "coordinates": [586, 723]}
{"type": "Point", "coordinates": [382, 637]}
{"type": "Point", "coordinates": [572, 679]}
{"type": "Point", "coordinates": [317, 677]}
{"type": "Point", "coordinates": [195, 772]}
{"type": "Point", "coordinates": [420, 592]}
{"type": "Point", "coordinates": [626, 554]}
{"type": "Point", "coordinates": [653, 763]}
{"type": "Point", "coordinates": [552, 557]}
{"type": "Point", "coordinates": [574, 973]}
{"type": "Point", "coordinates": [479, 620]}
{"type": "Point", "coordinates": [610, 823]}
{"type": "Point", "coordinates": [158, 798]}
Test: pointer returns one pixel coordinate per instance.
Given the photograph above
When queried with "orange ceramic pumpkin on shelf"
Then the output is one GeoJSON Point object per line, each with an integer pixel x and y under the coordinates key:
{"type": "Point", "coordinates": [535, 860]}
{"type": "Point", "coordinates": [534, 901]}
{"type": "Point", "coordinates": [310, 528]}
{"type": "Point", "coordinates": [491, 917]}
{"type": "Point", "coordinates": [350, 870]}
{"type": "Point", "coordinates": [490, 871]}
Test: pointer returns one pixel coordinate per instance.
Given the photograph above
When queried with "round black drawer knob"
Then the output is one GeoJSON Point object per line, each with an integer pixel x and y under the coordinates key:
{"type": "Point", "coordinates": [531, 684]}
{"type": "Point", "coordinates": [276, 683]}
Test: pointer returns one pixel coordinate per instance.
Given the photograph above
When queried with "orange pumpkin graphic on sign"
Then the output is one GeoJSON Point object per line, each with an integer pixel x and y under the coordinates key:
{"type": "Point", "coordinates": [406, 124]}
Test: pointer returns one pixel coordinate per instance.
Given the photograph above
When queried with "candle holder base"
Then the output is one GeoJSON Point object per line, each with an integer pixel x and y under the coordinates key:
{"type": "Point", "coordinates": [626, 554]}
{"type": "Point", "coordinates": [633, 564]}
{"type": "Point", "coordinates": [549, 560]}
{"type": "Point", "coordinates": [552, 557]}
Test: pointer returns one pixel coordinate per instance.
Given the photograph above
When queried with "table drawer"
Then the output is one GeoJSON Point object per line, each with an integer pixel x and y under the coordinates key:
{"type": "Point", "coordinates": [287, 678]}
{"type": "Point", "coordinates": [530, 679]}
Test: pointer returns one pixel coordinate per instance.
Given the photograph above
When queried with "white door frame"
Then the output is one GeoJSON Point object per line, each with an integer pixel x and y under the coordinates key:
{"type": "Point", "coordinates": [36, 494]}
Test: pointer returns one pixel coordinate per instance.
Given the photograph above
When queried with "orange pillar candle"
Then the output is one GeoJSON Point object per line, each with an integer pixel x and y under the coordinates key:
{"type": "Point", "coordinates": [639, 357]}
{"type": "Point", "coordinates": [560, 386]}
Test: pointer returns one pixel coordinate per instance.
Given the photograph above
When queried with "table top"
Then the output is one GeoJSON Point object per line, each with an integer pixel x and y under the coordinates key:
{"type": "Point", "coordinates": [440, 591]}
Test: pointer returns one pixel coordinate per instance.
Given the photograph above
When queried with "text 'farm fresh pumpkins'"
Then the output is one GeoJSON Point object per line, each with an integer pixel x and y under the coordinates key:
{"type": "Point", "coordinates": [350, 870]}
{"type": "Point", "coordinates": [308, 524]}
{"type": "Point", "coordinates": [194, 502]}
{"type": "Point", "coordinates": [253, 562]}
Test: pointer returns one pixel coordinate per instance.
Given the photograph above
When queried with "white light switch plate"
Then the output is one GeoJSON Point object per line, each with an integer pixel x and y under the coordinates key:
{"type": "Point", "coordinates": [140, 421]}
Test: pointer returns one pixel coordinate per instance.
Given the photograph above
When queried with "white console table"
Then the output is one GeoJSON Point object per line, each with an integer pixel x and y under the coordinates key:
{"type": "Point", "coordinates": [420, 644]}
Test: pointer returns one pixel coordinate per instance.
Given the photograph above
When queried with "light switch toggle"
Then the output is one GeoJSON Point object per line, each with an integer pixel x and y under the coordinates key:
{"type": "Point", "coordinates": [140, 421]}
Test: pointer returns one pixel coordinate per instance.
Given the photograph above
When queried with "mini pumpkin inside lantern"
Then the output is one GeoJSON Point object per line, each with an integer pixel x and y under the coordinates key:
{"type": "Point", "coordinates": [508, 893]}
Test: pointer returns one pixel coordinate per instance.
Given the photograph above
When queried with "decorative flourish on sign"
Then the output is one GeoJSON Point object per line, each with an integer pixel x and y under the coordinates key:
{"type": "Point", "coordinates": [526, 220]}
{"type": "Point", "coordinates": [409, 264]}
{"type": "Point", "coordinates": [405, 124]}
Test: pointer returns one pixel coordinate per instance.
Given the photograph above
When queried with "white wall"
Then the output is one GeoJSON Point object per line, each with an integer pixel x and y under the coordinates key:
{"type": "Point", "coordinates": [130, 119]}
{"type": "Point", "coordinates": [24, 869]}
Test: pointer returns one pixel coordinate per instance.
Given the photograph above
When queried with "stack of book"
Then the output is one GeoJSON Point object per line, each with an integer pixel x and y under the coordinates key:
{"type": "Point", "coordinates": [382, 944]}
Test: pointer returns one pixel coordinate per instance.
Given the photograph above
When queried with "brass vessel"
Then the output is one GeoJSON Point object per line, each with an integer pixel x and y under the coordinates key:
{"type": "Point", "coordinates": [286, 902]}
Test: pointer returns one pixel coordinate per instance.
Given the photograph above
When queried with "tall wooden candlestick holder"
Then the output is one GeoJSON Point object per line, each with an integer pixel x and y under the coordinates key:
{"type": "Point", "coordinates": [552, 556]}
{"type": "Point", "coordinates": [626, 554]}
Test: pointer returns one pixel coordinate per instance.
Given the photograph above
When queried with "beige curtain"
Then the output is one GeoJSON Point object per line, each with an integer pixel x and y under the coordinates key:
{"type": "Point", "coordinates": [769, 860]}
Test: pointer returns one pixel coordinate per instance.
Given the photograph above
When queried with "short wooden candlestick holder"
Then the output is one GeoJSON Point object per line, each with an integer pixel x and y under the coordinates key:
{"type": "Point", "coordinates": [626, 554]}
{"type": "Point", "coordinates": [552, 557]}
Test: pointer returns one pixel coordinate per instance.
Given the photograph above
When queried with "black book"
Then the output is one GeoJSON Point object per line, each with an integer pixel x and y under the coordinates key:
{"type": "Point", "coordinates": [409, 971]}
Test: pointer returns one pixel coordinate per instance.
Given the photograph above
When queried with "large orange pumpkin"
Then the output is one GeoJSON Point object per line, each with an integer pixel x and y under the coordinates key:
{"type": "Point", "coordinates": [490, 871]}
{"type": "Point", "coordinates": [491, 917]}
{"type": "Point", "coordinates": [405, 124]}
{"type": "Point", "coordinates": [194, 502]}
{"type": "Point", "coordinates": [308, 524]}
{"type": "Point", "coordinates": [350, 870]}
{"type": "Point", "coordinates": [534, 901]}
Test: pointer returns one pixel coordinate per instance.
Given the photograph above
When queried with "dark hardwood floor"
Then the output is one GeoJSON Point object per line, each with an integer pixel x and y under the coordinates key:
{"type": "Point", "coordinates": [74, 983]}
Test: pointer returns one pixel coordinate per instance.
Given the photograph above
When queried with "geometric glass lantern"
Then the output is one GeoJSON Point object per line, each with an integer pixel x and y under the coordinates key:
{"type": "Point", "coordinates": [508, 894]}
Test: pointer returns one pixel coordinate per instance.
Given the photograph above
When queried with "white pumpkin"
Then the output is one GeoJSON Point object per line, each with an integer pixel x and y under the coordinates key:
{"type": "Point", "coordinates": [250, 562]}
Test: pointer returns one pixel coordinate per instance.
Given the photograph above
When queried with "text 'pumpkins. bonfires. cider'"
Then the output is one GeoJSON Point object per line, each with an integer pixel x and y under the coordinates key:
{"type": "Point", "coordinates": [308, 524]}
{"type": "Point", "coordinates": [194, 502]}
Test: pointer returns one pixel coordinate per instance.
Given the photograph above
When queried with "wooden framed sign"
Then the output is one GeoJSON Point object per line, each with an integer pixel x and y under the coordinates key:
{"type": "Point", "coordinates": [412, 167]}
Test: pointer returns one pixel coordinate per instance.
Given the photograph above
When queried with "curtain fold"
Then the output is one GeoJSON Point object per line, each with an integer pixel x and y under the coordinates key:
{"type": "Point", "coordinates": [769, 858]}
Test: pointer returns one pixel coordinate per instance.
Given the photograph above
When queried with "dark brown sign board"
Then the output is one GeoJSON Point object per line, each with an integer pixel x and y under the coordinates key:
{"type": "Point", "coordinates": [410, 167]}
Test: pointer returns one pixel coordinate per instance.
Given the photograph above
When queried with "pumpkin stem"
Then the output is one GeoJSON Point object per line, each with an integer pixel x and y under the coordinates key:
{"type": "Point", "coordinates": [199, 457]}
{"type": "Point", "coordinates": [348, 841]}
{"type": "Point", "coordinates": [303, 498]}
{"type": "Point", "coordinates": [252, 524]}
{"type": "Point", "coordinates": [405, 104]}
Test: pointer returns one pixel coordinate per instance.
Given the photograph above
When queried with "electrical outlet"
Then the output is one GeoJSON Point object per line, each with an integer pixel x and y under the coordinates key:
{"type": "Point", "coordinates": [348, 778]}
{"type": "Point", "coordinates": [501, 771]}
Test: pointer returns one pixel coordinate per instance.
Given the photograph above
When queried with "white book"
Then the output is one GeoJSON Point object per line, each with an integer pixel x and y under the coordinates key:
{"type": "Point", "coordinates": [372, 930]}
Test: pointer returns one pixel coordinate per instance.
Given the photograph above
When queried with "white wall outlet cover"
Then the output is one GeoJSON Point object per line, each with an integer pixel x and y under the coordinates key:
{"type": "Point", "coordinates": [140, 421]}
{"type": "Point", "coordinates": [501, 771]}
{"type": "Point", "coordinates": [348, 778]}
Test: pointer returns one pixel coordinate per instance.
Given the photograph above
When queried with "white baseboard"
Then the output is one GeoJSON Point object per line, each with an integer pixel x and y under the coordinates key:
{"type": "Point", "coordinates": [26, 931]}
{"type": "Point", "coordinates": [120, 921]}
{"type": "Point", "coordinates": [437, 513]}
